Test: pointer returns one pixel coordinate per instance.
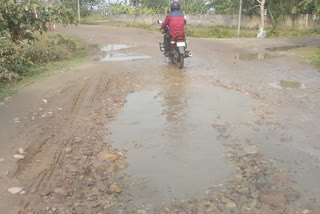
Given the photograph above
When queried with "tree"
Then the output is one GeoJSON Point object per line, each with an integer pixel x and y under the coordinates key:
{"type": "Point", "coordinates": [223, 6]}
{"type": "Point", "coordinates": [195, 6]}
{"type": "Point", "coordinates": [154, 3]}
{"type": "Point", "coordinates": [310, 6]}
{"type": "Point", "coordinates": [262, 13]}
{"type": "Point", "coordinates": [86, 6]}
{"type": "Point", "coordinates": [18, 20]}
{"type": "Point", "coordinates": [134, 3]}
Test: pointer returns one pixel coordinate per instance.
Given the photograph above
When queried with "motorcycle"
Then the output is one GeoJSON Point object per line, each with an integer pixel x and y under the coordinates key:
{"type": "Point", "coordinates": [178, 47]}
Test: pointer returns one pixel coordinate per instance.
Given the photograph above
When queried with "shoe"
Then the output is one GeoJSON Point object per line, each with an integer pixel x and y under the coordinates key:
{"type": "Point", "coordinates": [167, 54]}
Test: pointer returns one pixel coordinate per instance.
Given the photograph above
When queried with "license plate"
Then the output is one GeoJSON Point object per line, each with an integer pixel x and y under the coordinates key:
{"type": "Point", "coordinates": [181, 44]}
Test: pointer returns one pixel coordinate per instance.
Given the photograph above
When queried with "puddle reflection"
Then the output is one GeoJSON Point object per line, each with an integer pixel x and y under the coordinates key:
{"type": "Point", "coordinates": [254, 56]}
{"type": "Point", "coordinates": [178, 155]}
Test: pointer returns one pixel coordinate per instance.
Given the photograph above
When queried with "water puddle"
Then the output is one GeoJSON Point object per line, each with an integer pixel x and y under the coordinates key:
{"type": "Point", "coordinates": [283, 48]}
{"type": "Point", "coordinates": [119, 57]}
{"type": "Point", "coordinates": [112, 53]}
{"type": "Point", "coordinates": [254, 56]}
{"type": "Point", "coordinates": [173, 149]}
{"type": "Point", "coordinates": [287, 84]}
{"type": "Point", "coordinates": [116, 47]}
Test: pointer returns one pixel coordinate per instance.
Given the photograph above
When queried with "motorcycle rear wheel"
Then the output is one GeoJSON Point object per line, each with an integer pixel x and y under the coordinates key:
{"type": "Point", "coordinates": [181, 62]}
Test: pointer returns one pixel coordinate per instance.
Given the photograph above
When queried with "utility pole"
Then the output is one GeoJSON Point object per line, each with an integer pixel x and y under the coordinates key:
{"type": "Point", "coordinates": [109, 9]}
{"type": "Point", "coordinates": [79, 11]}
{"type": "Point", "coordinates": [240, 13]}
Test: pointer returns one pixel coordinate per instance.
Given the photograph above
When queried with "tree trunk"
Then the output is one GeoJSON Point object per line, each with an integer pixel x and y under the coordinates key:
{"type": "Point", "coordinates": [262, 13]}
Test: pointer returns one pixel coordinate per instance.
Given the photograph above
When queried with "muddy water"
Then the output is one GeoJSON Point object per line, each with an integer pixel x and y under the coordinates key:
{"type": "Point", "coordinates": [112, 53]}
{"type": "Point", "coordinates": [254, 56]}
{"type": "Point", "coordinates": [173, 149]}
{"type": "Point", "coordinates": [283, 48]}
{"type": "Point", "coordinates": [114, 47]}
{"type": "Point", "coordinates": [119, 57]}
{"type": "Point", "coordinates": [287, 84]}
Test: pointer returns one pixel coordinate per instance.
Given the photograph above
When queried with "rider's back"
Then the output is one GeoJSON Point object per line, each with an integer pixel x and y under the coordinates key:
{"type": "Point", "coordinates": [177, 22]}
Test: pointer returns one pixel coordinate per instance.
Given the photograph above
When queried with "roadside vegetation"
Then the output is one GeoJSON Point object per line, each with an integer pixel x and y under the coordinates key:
{"type": "Point", "coordinates": [23, 63]}
{"type": "Point", "coordinates": [27, 51]}
{"type": "Point", "coordinates": [310, 54]}
{"type": "Point", "coordinates": [276, 11]}
{"type": "Point", "coordinates": [202, 31]}
{"type": "Point", "coordinates": [93, 19]}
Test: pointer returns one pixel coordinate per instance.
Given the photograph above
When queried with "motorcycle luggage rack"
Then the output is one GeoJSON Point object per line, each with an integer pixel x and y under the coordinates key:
{"type": "Point", "coordinates": [162, 48]}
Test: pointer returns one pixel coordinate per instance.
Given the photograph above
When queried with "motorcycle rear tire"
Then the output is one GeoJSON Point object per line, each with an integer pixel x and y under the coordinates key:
{"type": "Point", "coordinates": [181, 62]}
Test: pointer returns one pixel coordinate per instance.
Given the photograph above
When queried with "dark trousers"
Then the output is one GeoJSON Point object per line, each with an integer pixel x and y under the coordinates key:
{"type": "Point", "coordinates": [167, 40]}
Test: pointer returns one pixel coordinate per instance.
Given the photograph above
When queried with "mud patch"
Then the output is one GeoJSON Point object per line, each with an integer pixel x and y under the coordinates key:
{"type": "Point", "coordinates": [116, 47]}
{"type": "Point", "coordinates": [120, 57]}
{"type": "Point", "coordinates": [173, 151]}
{"type": "Point", "coordinates": [283, 48]}
{"type": "Point", "coordinates": [287, 84]}
{"type": "Point", "coordinates": [254, 56]}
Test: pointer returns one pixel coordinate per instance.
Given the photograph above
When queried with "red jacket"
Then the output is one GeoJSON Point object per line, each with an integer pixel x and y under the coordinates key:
{"type": "Point", "coordinates": [176, 22]}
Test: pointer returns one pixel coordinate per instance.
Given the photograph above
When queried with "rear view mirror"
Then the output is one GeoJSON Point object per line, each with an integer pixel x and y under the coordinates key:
{"type": "Point", "coordinates": [160, 22]}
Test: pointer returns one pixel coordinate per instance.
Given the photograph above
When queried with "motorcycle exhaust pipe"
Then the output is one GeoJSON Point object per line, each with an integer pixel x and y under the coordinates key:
{"type": "Point", "coordinates": [188, 54]}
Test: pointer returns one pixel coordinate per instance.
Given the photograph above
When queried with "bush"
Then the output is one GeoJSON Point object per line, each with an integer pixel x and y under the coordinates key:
{"type": "Point", "coordinates": [6, 76]}
{"type": "Point", "coordinates": [12, 56]}
{"type": "Point", "coordinates": [17, 59]}
{"type": "Point", "coordinates": [52, 48]}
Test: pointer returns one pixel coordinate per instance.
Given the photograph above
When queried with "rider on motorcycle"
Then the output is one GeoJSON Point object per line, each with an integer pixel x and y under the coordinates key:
{"type": "Point", "coordinates": [176, 21]}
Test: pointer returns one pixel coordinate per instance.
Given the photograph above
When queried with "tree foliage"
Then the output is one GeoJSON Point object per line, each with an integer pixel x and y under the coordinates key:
{"type": "Point", "coordinates": [18, 20]}
{"type": "Point", "coordinates": [159, 6]}
{"type": "Point", "coordinates": [283, 7]}
{"type": "Point", "coordinates": [86, 6]}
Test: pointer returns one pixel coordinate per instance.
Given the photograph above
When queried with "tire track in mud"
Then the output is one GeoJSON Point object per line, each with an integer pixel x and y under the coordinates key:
{"type": "Point", "coordinates": [37, 150]}
{"type": "Point", "coordinates": [78, 100]}
{"type": "Point", "coordinates": [70, 157]}
{"type": "Point", "coordinates": [43, 158]}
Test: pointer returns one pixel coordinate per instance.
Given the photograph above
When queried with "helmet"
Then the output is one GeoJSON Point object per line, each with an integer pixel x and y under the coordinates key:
{"type": "Point", "coordinates": [175, 5]}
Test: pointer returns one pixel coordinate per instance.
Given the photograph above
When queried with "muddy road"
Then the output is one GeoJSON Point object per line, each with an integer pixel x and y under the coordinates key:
{"type": "Point", "coordinates": [235, 131]}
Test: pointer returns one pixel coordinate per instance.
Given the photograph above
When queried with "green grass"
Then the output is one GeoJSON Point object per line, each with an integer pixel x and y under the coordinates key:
{"type": "Point", "coordinates": [310, 54]}
{"type": "Point", "coordinates": [199, 31]}
{"type": "Point", "coordinates": [74, 53]}
{"type": "Point", "coordinates": [93, 19]}
{"type": "Point", "coordinates": [202, 31]}
{"type": "Point", "coordinates": [40, 72]}
{"type": "Point", "coordinates": [292, 33]}
{"type": "Point", "coordinates": [218, 32]}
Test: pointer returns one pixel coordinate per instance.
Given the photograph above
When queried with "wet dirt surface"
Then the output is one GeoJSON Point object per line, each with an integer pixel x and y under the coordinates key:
{"type": "Point", "coordinates": [139, 135]}
{"type": "Point", "coordinates": [287, 84]}
{"type": "Point", "coordinates": [159, 123]}
{"type": "Point", "coordinates": [255, 56]}
{"type": "Point", "coordinates": [283, 48]}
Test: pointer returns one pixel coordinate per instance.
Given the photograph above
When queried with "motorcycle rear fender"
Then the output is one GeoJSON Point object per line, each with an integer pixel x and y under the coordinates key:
{"type": "Point", "coordinates": [182, 50]}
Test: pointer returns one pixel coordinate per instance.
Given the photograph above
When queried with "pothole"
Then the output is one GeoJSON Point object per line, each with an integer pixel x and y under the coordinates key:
{"type": "Point", "coordinates": [283, 48]}
{"type": "Point", "coordinates": [119, 57]}
{"type": "Point", "coordinates": [116, 53]}
{"type": "Point", "coordinates": [255, 56]}
{"type": "Point", "coordinates": [173, 151]}
{"type": "Point", "coordinates": [115, 47]}
{"type": "Point", "coordinates": [287, 84]}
